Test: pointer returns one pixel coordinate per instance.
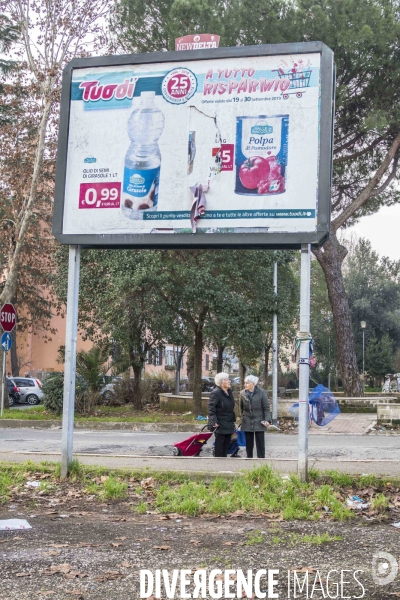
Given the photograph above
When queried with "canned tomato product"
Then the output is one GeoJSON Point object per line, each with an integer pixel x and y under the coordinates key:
{"type": "Point", "coordinates": [261, 154]}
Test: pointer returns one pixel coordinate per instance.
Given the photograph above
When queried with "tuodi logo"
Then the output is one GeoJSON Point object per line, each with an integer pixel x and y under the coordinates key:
{"type": "Point", "coordinates": [94, 91]}
{"type": "Point", "coordinates": [262, 128]}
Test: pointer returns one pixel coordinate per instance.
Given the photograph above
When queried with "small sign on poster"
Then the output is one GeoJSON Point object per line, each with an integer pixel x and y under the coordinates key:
{"type": "Point", "coordinates": [197, 41]}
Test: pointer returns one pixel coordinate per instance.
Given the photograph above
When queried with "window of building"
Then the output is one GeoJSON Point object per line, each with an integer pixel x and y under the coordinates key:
{"type": "Point", "coordinates": [169, 357]}
{"type": "Point", "coordinates": [158, 357]}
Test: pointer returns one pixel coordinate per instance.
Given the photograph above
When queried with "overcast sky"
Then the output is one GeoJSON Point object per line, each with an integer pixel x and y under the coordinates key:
{"type": "Point", "coordinates": [383, 231]}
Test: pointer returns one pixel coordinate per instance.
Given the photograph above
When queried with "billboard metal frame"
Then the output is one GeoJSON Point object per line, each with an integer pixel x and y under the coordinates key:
{"type": "Point", "coordinates": [204, 240]}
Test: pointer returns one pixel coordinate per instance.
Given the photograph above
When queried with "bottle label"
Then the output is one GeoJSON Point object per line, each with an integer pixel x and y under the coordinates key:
{"type": "Point", "coordinates": [140, 190]}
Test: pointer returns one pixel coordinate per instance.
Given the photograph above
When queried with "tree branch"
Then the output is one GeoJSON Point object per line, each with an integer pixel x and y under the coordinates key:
{"type": "Point", "coordinates": [359, 153]}
{"type": "Point", "coordinates": [365, 194]}
{"type": "Point", "coordinates": [338, 201]}
{"type": "Point", "coordinates": [348, 144]}
{"type": "Point", "coordinates": [390, 178]}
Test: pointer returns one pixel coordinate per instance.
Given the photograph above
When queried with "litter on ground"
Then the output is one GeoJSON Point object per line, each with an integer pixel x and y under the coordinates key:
{"type": "Point", "coordinates": [12, 524]}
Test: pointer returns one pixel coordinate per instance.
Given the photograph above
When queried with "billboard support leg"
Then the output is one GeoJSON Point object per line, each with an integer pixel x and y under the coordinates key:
{"type": "Point", "coordinates": [304, 366]}
{"type": "Point", "coordinates": [275, 353]}
{"type": "Point", "coordinates": [70, 359]}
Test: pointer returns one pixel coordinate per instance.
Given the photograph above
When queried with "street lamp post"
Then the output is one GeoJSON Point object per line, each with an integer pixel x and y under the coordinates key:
{"type": "Point", "coordinates": [363, 326]}
{"type": "Point", "coordinates": [328, 320]}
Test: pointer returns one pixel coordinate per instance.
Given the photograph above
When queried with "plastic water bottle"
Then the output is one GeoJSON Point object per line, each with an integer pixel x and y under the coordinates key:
{"type": "Point", "coordinates": [143, 158]}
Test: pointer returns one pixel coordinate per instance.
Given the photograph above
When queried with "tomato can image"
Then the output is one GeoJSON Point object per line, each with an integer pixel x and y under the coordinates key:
{"type": "Point", "coordinates": [261, 155]}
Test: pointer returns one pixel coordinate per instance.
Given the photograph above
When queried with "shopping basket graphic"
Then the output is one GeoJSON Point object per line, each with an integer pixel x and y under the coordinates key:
{"type": "Point", "coordinates": [298, 81]}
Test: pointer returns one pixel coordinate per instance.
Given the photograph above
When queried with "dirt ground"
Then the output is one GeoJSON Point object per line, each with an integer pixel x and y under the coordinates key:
{"type": "Point", "coordinates": [86, 549]}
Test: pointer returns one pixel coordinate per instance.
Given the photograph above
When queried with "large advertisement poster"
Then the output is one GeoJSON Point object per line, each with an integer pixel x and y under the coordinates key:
{"type": "Point", "coordinates": [229, 145]}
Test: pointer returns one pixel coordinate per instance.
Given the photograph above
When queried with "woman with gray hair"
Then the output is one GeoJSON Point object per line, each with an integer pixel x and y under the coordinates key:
{"type": "Point", "coordinates": [221, 414]}
{"type": "Point", "coordinates": [256, 415]}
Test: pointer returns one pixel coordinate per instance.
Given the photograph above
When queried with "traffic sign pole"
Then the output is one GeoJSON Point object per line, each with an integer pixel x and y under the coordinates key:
{"type": "Point", "coordinates": [8, 320]}
{"type": "Point", "coordinates": [3, 379]}
{"type": "Point", "coordinates": [70, 360]}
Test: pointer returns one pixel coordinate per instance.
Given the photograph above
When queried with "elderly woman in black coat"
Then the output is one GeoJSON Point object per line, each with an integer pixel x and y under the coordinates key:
{"type": "Point", "coordinates": [256, 415]}
{"type": "Point", "coordinates": [221, 414]}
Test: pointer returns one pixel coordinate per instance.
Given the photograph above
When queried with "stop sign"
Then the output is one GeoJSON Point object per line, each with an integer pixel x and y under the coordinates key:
{"type": "Point", "coordinates": [8, 317]}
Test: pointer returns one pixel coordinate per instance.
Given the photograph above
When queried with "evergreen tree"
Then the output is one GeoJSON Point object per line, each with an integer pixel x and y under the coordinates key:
{"type": "Point", "coordinates": [379, 357]}
{"type": "Point", "coordinates": [373, 287]}
{"type": "Point", "coordinates": [364, 35]}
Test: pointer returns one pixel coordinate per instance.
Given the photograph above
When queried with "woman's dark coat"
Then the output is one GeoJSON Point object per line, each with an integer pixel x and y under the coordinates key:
{"type": "Point", "coordinates": [221, 411]}
{"type": "Point", "coordinates": [255, 410]}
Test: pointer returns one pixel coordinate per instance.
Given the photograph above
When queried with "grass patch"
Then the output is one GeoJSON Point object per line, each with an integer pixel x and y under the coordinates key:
{"type": "Point", "coordinates": [380, 503]}
{"type": "Point", "coordinates": [141, 508]}
{"type": "Point", "coordinates": [370, 480]}
{"type": "Point", "coordinates": [102, 414]}
{"type": "Point", "coordinates": [37, 413]}
{"type": "Point", "coordinates": [254, 537]}
{"type": "Point", "coordinates": [108, 488]}
{"type": "Point", "coordinates": [9, 480]}
{"type": "Point", "coordinates": [341, 479]}
{"type": "Point", "coordinates": [261, 490]}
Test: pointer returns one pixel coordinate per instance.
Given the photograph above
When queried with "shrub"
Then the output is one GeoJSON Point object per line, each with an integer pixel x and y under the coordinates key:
{"type": "Point", "coordinates": [91, 365]}
{"type": "Point", "coordinates": [151, 386]}
{"type": "Point", "coordinates": [122, 393]}
{"type": "Point", "coordinates": [154, 384]}
{"type": "Point", "coordinates": [53, 389]}
{"type": "Point", "coordinates": [86, 400]}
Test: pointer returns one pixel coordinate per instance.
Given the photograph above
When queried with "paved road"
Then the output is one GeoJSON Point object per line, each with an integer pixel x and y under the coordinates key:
{"type": "Point", "coordinates": [334, 447]}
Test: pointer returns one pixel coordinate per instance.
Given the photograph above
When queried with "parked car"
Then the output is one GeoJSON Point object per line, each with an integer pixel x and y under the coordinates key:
{"type": "Point", "coordinates": [108, 390]}
{"type": "Point", "coordinates": [207, 384]}
{"type": "Point", "coordinates": [30, 390]}
{"type": "Point", "coordinates": [13, 392]}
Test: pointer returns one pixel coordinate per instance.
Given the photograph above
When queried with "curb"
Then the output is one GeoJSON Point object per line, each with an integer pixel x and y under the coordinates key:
{"type": "Point", "coordinates": [101, 426]}
{"type": "Point", "coordinates": [210, 467]}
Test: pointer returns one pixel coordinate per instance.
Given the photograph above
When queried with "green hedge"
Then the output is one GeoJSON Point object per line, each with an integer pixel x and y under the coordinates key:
{"type": "Point", "coordinates": [53, 389]}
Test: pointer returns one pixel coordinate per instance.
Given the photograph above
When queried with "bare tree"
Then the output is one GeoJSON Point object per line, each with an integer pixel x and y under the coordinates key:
{"type": "Point", "coordinates": [52, 32]}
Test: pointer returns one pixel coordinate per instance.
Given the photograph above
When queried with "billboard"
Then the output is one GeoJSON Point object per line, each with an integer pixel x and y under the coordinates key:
{"type": "Point", "coordinates": [228, 147]}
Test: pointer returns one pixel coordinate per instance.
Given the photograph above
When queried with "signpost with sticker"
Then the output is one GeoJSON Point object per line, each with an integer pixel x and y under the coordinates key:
{"type": "Point", "coordinates": [205, 147]}
{"type": "Point", "coordinates": [8, 320]}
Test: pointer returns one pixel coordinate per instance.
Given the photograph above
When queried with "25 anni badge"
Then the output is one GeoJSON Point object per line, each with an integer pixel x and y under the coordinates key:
{"type": "Point", "coordinates": [179, 85]}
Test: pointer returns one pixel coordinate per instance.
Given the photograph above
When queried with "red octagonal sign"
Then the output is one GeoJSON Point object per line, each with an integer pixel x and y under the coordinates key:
{"type": "Point", "coordinates": [8, 317]}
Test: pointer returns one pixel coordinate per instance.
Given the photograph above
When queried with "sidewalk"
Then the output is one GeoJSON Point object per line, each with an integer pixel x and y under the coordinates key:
{"type": "Point", "coordinates": [354, 423]}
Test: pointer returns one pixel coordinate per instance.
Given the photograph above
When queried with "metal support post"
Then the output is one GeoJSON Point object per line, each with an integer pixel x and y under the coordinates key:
{"type": "Point", "coordinates": [4, 383]}
{"type": "Point", "coordinates": [304, 366]}
{"type": "Point", "coordinates": [70, 360]}
{"type": "Point", "coordinates": [363, 326]}
{"type": "Point", "coordinates": [363, 370]}
{"type": "Point", "coordinates": [177, 360]}
{"type": "Point", "coordinates": [329, 360]}
{"type": "Point", "coordinates": [275, 353]}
